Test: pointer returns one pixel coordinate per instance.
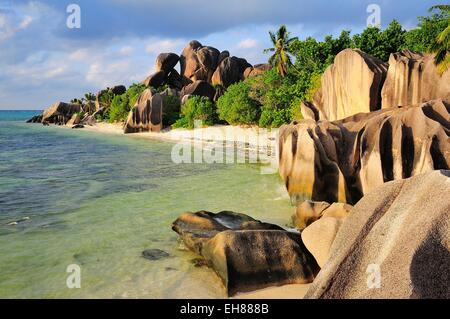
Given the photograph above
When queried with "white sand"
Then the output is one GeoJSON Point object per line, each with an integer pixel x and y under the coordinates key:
{"type": "Point", "coordinates": [295, 291]}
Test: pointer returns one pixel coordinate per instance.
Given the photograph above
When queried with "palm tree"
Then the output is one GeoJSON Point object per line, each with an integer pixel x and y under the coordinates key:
{"type": "Point", "coordinates": [89, 96]}
{"type": "Point", "coordinates": [441, 46]}
{"type": "Point", "coordinates": [281, 58]}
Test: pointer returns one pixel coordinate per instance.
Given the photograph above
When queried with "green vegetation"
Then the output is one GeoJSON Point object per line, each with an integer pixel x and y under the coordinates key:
{"type": "Point", "coordinates": [237, 107]}
{"type": "Point", "coordinates": [197, 108]}
{"type": "Point", "coordinates": [441, 44]}
{"type": "Point", "coordinates": [121, 104]}
{"type": "Point", "coordinates": [171, 112]}
{"type": "Point", "coordinates": [274, 98]}
{"type": "Point", "coordinates": [281, 59]}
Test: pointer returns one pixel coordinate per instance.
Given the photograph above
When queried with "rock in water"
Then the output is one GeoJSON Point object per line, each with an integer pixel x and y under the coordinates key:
{"type": "Point", "coordinates": [351, 85]}
{"type": "Point", "coordinates": [254, 259]}
{"type": "Point", "coordinates": [154, 254]}
{"type": "Point", "coordinates": [74, 120]}
{"type": "Point", "coordinates": [413, 78]}
{"type": "Point", "coordinates": [197, 228]}
{"type": "Point", "coordinates": [342, 160]}
{"type": "Point", "coordinates": [247, 254]}
{"type": "Point", "coordinates": [60, 113]}
{"type": "Point", "coordinates": [146, 116]}
{"type": "Point", "coordinates": [400, 230]}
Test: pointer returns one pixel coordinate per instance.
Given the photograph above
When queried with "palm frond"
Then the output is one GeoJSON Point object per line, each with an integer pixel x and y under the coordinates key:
{"type": "Point", "coordinates": [442, 7]}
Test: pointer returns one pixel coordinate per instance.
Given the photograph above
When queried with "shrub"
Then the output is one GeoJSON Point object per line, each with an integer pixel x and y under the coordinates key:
{"type": "Point", "coordinates": [171, 110]}
{"type": "Point", "coordinates": [275, 118]}
{"type": "Point", "coordinates": [196, 108]}
{"type": "Point", "coordinates": [237, 107]}
{"type": "Point", "coordinates": [122, 104]}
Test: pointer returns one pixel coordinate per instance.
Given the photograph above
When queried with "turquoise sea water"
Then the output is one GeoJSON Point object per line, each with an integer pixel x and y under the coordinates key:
{"type": "Point", "coordinates": [99, 200]}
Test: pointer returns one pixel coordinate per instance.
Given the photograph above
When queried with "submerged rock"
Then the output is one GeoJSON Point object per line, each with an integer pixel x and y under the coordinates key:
{"type": "Point", "coordinates": [154, 254]}
{"type": "Point", "coordinates": [342, 160]}
{"type": "Point", "coordinates": [247, 254]}
{"type": "Point", "coordinates": [400, 231]}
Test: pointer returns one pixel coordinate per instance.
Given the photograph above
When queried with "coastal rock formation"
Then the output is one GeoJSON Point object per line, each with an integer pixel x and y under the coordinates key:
{"type": "Point", "coordinates": [197, 228]}
{"type": "Point", "coordinates": [60, 113]}
{"type": "Point", "coordinates": [319, 237]}
{"type": "Point", "coordinates": [74, 120]}
{"type": "Point", "coordinates": [256, 70]}
{"type": "Point", "coordinates": [352, 84]}
{"type": "Point", "coordinates": [227, 73]}
{"type": "Point", "coordinates": [340, 161]}
{"type": "Point", "coordinates": [198, 62]}
{"type": "Point", "coordinates": [246, 254]}
{"type": "Point", "coordinates": [400, 230]}
{"type": "Point", "coordinates": [255, 259]}
{"type": "Point", "coordinates": [156, 79]}
{"type": "Point", "coordinates": [308, 212]}
{"type": "Point", "coordinates": [166, 62]}
{"type": "Point", "coordinates": [200, 88]}
{"type": "Point", "coordinates": [146, 116]}
{"type": "Point", "coordinates": [413, 78]}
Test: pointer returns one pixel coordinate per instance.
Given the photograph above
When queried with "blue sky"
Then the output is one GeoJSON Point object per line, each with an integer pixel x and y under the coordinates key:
{"type": "Point", "coordinates": [42, 61]}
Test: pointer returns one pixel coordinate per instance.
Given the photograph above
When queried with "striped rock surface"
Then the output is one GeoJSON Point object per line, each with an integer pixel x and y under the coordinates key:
{"type": "Point", "coordinates": [352, 84]}
{"type": "Point", "coordinates": [340, 161]}
{"type": "Point", "coordinates": [146, 115]}
{"type": "Point", "coordinates": [413, 78]}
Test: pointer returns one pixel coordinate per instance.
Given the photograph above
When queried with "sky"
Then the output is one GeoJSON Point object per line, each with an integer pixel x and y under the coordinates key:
{"type": "Point", "coordinates": [42, 60]}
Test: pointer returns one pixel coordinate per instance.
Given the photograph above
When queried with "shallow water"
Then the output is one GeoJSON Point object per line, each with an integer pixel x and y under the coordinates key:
{"type": "Point", "coordinates": [99, 200]}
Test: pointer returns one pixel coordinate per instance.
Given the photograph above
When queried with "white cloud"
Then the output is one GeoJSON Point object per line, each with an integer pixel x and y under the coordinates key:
{"type": "Point", "coordinates": [126, 50]}
{"type": "Point", "coordinates": [248, 43]}
{"type": "Point", "coordinates": [26, 22]}
{"type": "Point", "coordinates": [165, 45]}
{"type": "Point", "coordinates": [79, 55]}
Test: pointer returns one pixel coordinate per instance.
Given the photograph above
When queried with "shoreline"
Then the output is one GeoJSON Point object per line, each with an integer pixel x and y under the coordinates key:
{"type": "Point", "coordinates": [209, 135]}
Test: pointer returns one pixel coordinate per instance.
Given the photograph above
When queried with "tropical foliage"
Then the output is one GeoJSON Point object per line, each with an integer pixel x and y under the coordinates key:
{"type": "Point", "coordinates": [280, 58]}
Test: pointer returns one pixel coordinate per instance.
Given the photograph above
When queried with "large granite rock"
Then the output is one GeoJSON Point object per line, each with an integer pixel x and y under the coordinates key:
{"type": "Point", "coordinates": [228, 72]}
{"type": "Point", "coordinates": [60, 113]}
{"type": "Point", "coordinates": [352, 84]}
{"type": "Point", "coordinates": [156, 79]}
{"type": "Point", "coordinates": [201, 88]}
{"type": "Point", "coordinates": [146, 115]}
{"type": "Point", "coordinates": [400, 234]}
{"type": "Point", "coordinates": [256, 70]}
{"type": "Point", "coordinates": [413, 78]}
{"type": "Point", "coordinates": [247, 254]}
{"type": "Point", "coordinates": [308, 212]}
{"type": "Point", "coordinates": [319, 237]}
{"type": "Point", "coordinates": [255, 259]}
{"type": "Point", "coordinates": [166, 62]}
{"type": "Point", "coordinates": [198, 62]}
{"type": "Point", "coordinates": [340, 161]}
